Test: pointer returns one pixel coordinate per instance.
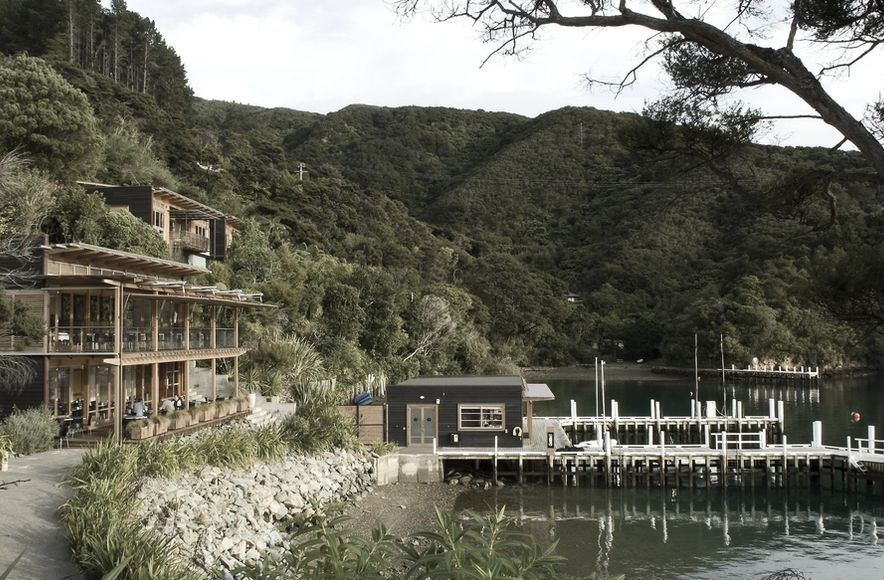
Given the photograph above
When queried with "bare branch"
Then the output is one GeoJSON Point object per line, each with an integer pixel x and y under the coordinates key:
{"type": "Point", "coordinates": [838, 145]}
{"type": "Point", "coordinates": [862, 55]}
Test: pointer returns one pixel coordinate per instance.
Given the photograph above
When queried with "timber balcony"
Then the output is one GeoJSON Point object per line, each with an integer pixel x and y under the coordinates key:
{"type": "Point", "coordinates": [190, 241]}
{"type": "Point", "coordinates": [81, 339]}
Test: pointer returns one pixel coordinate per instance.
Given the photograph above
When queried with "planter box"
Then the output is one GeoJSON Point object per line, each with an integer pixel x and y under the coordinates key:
{"type": "Point", "coordinates": [160, 428]}
{"type": "Point", "coordinates": [197, 415]}
{"type": "Point", "coordinates": [179, 421]}
{"type": "Point", "coordinates": [139, 433]}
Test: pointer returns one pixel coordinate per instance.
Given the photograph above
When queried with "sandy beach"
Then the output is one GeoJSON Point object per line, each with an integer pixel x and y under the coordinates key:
{"type": "Point", "coordinates": [404, 508]}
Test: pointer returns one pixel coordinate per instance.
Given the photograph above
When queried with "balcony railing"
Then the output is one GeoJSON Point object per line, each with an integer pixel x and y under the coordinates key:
{"type": "Point", "coordinates": [138, 339]}
{"type": "Point", "coordinates": [81, 339]}
{"type": "Point", "coordinates": [170, 339]}
{"type": "Point", "coordinates": [190, 241]}
{"type": "Point", "coordinates": [224, 338]}
{"type": "Point", "coordinates": [200, 338]}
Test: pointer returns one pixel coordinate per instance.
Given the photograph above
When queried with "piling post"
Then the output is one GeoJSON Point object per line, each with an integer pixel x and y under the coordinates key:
{"type": "Point", "coordinates": [650, 435]}
{"type": "Point", "coordinates": [608, 457]}
{"type": "Point", "coordinates": [781, 416]}
{"type": "Point", "coordinates": [724, 458]}
{"type": "Point", "coordinates": [871, 439]}
{"type": "Point", "coordinates": [495, 460]}
{"type": "Point", "coordinates": [653, 409]}
{"type": "Point", "coordinates": [817, 433]}
{"type": "Point", "coordinates": [785, 459]}
{"type": "Point", "coordinates": [772, 413]}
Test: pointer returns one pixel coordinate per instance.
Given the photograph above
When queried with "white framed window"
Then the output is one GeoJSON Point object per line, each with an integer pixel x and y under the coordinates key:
{"type": "Point", "coordinates": [484, 417]}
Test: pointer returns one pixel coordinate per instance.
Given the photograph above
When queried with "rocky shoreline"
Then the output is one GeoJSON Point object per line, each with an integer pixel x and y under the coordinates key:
{"type": "Point", "coordinates": [230, 517]}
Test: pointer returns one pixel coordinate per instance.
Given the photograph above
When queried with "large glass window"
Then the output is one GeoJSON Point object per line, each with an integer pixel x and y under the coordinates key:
{"type": "Point", "coordinates": [170, 325]}
{"type": "Point", "coordinates": [224, 335]}
{"type": "Point", "coordinates": [137, 325]}
{"type": "Point", "coordinates": [81, 321]}
{"type": "Point", "coordinates": [200, 326]}
{"type": "Point", "coordinates": [481, 417]}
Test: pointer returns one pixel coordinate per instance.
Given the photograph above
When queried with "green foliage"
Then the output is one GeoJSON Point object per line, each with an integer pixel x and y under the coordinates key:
{"type": "Point", "coordinates": [485, 547]}
{"type": "Point", "coordinates": [78, 216]}
{"type": "Point", "coordinates": [46, 117]}
{"type": "Point", "coordinates": [318, 428]}
{"type": "Point", "coordinates": [29, 430]}
{"type": "Point", "coordinates": [282, 365]}
{"type": "Point", "coordinates": [129, 158]}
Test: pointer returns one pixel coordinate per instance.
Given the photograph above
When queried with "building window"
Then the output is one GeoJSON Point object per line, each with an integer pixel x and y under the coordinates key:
{"type": "Point", "coordinates": [200, 231]}
{"type": "Point", "coordinates": [480, 417]}
{"type": "Point", "coordinates": [159, 219]}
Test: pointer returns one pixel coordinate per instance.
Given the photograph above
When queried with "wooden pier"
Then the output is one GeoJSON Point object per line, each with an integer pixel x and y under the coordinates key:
{"type": "Point", "coordinates": [695, 451]}
{"type": "Point", "coordinates": [772, 374]}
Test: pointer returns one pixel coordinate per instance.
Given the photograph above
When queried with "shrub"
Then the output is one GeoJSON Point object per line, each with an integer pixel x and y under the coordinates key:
{"type": "Point", "coordinates": [318, 428]}
{"type": "Point", "coordinates": [486, 546]}
{"type": "Point", "coordinates": [30, 431]}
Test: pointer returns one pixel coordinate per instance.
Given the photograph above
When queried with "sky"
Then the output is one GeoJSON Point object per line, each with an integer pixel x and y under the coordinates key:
{"type": "Point", "coordinates": [322, 56]}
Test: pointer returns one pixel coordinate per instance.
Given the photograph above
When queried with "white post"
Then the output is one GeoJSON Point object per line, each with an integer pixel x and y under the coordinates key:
{"type": "Point", "coordinates": [495, 447]}
{"type": "Point", "coordinates": [434, 446]}
{"type": "Point", "coordinates": [710, 409]}
{"type": "Point", "coordinates": [603, 389]}
{"type": "Point", "coordinates": [871, 438]}
{"type": "Point", "coordinates": [762, 439]}
{"type": "Point", "coordinates": [772, 408]}
{"type": "Point", "coordinates": [739, 409]}
{"type": "Point", "coordinates": [607, 441]}
{"type": "Point", "coordinates": [598, 434]}
{"type": "Point", "coordinates": [615, 410]}
{"type": "Point", "coordinates": [650, 435]}
{"type": "Point", "coordinates": [574, 412]}
{"type": "Point", "coordinates": [734, 408]}
{"type": "Point", "coordinates": [781, 414]}
{"type": "Point", "coordinates": [848, 448]}
{"type": "Point", "coordinates": [658, 415]}
{"type": "Point", "coordinates": [693, 408]}
{"type": "Point", "coordinates": [596, 386]}
{"type": "Point", "coordinates": [653, 408]}
{"type": "Point", "coordinates": [699, 409]}
{"type": "Point", "coordinates": [817, 433]}
{"type": "Point", "coordinates": [706, 436]}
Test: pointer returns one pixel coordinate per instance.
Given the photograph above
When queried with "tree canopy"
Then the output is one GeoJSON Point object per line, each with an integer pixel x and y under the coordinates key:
{"type": "Point", "coordinates": [712, 56]}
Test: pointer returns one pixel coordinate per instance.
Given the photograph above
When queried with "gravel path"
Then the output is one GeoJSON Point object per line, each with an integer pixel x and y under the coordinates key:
{"type": "Point", "coordinates": [29, 519]}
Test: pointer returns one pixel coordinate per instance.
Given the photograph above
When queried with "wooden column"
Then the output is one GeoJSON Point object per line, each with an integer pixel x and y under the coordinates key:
{"type": "Point", "coordinates": [116, 411]}
{"type": "Point", "coordinates": [236, 376]}
{"type": "Point", "coordinates": [236, 327]}
{"type": "Point", "coordinates": [154, 325]}
{"type": "Point", "coordinates": [214, 380]}
{"type": "Point", "coordinates": [185, 382]}
{"type": "Point", "coordinates": [155, 388]}
{"type": "Point", "coordinates": [213, 326]}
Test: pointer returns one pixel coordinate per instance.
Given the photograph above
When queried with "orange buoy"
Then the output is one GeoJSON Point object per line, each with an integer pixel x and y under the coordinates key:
{"type": "Point", "coordinates": [855, 417]}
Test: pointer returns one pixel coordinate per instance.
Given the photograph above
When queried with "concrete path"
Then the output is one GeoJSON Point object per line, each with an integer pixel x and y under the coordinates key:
{"type": "Point", "coordinates": [29, 519]}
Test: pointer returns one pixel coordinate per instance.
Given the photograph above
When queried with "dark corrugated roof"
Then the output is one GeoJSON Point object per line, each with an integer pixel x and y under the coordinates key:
{"type": "Point", "coordinates": [464, 381]}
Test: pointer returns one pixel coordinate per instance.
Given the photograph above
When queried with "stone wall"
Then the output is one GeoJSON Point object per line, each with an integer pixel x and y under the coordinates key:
{"type": "Point", "coordinates": [228, 517]}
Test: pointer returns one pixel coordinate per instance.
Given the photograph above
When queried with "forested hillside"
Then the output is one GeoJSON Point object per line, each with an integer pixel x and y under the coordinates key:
{"type": "Point", "coordinates": [412, 240]}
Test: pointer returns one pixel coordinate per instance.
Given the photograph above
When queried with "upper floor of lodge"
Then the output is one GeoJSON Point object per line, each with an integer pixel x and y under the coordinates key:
{"type": "Point", "coordinates": [192, 228]}
{"type": "Point", "coordinates": [93, 300]}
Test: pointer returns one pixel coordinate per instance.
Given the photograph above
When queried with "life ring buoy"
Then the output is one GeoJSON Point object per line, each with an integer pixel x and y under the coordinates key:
{"type": "Point", "coordinates": [855, 417]}
{"type": "Point", "coordinates": [517, 431]}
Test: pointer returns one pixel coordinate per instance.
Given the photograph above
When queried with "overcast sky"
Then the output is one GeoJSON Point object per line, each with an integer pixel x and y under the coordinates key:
{"type": "Point", "coordinates": [322, 56]}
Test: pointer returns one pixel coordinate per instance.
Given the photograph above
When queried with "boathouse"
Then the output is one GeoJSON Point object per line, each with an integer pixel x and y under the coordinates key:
{"type": "Point", "coordinates": [464, 411]}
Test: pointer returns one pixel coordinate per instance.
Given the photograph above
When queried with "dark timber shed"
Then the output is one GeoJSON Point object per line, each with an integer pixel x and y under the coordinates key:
{"type": "Point", "coordinates": [467, 411]}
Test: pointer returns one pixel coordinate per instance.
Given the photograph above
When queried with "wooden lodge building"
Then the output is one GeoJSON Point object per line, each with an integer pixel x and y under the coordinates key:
{"type": "Point", "coordinates": [467, 411]}
{"type": "Point", "coordinates": [119, 327]}
{"type": "Point", "coordinates": [194, 230]}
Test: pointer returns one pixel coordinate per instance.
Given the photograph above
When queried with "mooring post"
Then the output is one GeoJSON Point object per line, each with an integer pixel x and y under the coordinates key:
{"type": "Point", "coordinates": [608, 457]}
{"type": "Point", "coordinates": [781, 416]}
{"type": "Point", "coordinates": [653, 408]}
{"type": "Point", "coordinates": [739, 409]}
{"type": "Point", "coordinates": [495, 460]}
{"type": "Point", "coordinates": [817, 427]}
{"type": "Point", "coordinates": [574, 414]}
{"type": "Point", "coordinates": [734, 408]}
{"type": "Point", "coordinates": [707, 436]}
{"type": "Point", "coordinates": [615, 410]}
{"type": "Point", "coordinates": [724, 458]}
{"type": "Point", "coordinates": [772, 413]}
{"type": "Point", "coordinates": [762, 438]}
{"type": "Point", "coordinates": [693, 408]}
{"type": "Point", "coordinates": [650, 435]}
{"type": "Point", "coordinates": [871, 439]}
{"type": "Point", "coordinates": [785, 459]}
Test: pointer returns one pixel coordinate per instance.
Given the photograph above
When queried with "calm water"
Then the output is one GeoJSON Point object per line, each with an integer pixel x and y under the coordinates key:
{"type": "Point", "coordinates": [711, 533]}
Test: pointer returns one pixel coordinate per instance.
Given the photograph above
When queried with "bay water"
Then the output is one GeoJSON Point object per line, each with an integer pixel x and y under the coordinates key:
{"type": "Point", "coordinates": [740, 532]}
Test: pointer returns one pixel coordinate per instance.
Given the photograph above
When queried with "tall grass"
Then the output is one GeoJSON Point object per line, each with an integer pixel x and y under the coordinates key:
{"type": "Point", "coordinates": [101, 519]}
{"type": "Point", "coordinates": [30, 430]}
{"type": "Point", "coordinates": [485, 546]}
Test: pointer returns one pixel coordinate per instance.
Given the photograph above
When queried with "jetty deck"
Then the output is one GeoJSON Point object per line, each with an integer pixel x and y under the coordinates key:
{"type": "Point", "coordinates": [701, 450]}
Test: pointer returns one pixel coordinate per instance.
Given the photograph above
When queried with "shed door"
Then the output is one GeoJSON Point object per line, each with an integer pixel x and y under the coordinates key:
{"type": "Point", "coordinates": [422, 427]}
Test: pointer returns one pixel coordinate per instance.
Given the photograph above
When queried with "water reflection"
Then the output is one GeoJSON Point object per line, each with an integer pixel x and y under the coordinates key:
{"type": "Point", "coordinates": [654, 533]}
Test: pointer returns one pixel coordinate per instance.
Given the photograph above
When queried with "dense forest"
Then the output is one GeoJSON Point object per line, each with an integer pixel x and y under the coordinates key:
{"type": "Point", "coordinates": [427, 240]}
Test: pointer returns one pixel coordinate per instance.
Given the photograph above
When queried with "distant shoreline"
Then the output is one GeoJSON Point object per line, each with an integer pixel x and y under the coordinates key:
{"type": "Point", "coordinates": [613, 371]}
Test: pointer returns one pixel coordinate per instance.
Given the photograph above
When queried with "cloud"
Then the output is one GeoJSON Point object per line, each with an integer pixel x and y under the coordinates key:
{"type": "Point", "coordinates": [322, 56]}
